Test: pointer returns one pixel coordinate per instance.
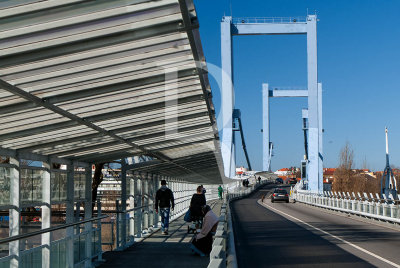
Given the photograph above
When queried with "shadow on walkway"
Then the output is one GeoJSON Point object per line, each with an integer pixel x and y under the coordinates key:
{"type": "Point", "coordinates": [172, 250]}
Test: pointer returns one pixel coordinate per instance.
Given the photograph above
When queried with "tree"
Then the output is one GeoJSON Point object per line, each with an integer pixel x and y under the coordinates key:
{"type": "Point", "coordinates": [343, 174]}
{"type": "Point", "coordinates": [365, 163]}
{"type": "Point", "coordinates": [97, 179]}
{"type": "Point", "coordinates": [346, 157]}
{"type": "Point", "coordinates": [4, 160]}
{"type": "Point", "coordinates": [346, 179]}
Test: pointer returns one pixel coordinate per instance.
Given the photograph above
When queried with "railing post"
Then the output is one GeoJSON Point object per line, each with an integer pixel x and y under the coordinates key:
{"type": "Point", "coordinates": [384, 209]}
{"type": "Point", "coordinates": [117, 220]}
{"type": "Point", "coordinates": [15, 212]}
{"type": "Point", "coordinates": [100, 256]}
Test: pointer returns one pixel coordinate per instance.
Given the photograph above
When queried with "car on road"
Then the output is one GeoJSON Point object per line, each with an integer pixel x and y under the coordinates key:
{"type": "Point", "coordinates": [280, 194]}
{"type": "Point", "coordinates": [279, 180]}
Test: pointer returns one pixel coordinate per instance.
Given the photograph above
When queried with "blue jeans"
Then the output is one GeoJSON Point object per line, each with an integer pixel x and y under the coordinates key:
{"type": "Point", "coordinates": [164, 218]}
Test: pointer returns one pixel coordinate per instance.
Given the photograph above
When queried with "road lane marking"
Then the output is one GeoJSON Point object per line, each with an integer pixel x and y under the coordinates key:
{"type": "Point", "coordinates": [331, 235]}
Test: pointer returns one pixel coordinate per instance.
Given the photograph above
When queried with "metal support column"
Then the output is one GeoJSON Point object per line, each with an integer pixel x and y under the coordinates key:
{"type": "Point", "coordinates": [138, 197]}
{"type": "Point", "coordinates": [155, 185]}
{"type": "Point", "coordinates": [131, 206]}
{"type": "Point", "coordinates": [145, 220]}
{"type": "Point", "coordinates": [227, 98]}
{"type": "Point", "coordinates": [15, 212]}
{"type": "Point", "coordinates": [147, 198]}
{"type": "Point", "coordinates": [151, 198]}
{"type": "Point", "coordinates": [88, 215]}
{"type": "Point", "coordinates": [46, 215]}
{"type": "Point", "coordinates": [70, 216]}
{"type": "Point", "coordinates": [123, 203]}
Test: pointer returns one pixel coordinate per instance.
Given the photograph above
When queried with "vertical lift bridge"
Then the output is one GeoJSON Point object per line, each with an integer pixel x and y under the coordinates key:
{"type": "Point", "coordinates": [273, 26]}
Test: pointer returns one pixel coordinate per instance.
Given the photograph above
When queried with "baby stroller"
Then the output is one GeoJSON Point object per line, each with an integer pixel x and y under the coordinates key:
{"type": "Point", "coordinates": [192, 225]}
{"type": "Point", "coordinates": [195, 222]}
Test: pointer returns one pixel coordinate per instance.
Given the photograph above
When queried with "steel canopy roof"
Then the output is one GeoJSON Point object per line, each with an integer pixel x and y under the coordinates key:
{"type": "Point", "coordinates": [95, 81]}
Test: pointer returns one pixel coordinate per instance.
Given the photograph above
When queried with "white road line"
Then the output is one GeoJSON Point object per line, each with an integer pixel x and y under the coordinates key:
{"type": "Point", "coordinates": [334, 236]}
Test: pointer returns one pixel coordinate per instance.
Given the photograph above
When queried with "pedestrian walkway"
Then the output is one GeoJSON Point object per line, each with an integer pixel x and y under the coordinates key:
{"type": "Point", "coordinates": [159, 250]}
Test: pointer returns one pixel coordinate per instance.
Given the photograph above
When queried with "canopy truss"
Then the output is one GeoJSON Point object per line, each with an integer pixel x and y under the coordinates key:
{"type": "Point", "coordinates": [95, 81]}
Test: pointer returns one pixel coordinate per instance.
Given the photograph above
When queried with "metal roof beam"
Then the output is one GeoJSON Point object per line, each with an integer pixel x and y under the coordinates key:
{"type": "Point", "coordinates": [135, 139]}
{"type": "Point", "coordinates": [39, 157]}
{"type": "Point", "coordinates": [115, 131]}
{"type": "Point", "coordinates": [98, 91]}
{"type": "Point", "coordinates": [181, 145]}
{"type": "Point", "coordinates": [82, 121]}
{"type": "Point", "coordinates": [75, 120]}
{"type": "Point", "coordinates": [142, 164]}
{"type": "Point", "coordinates": [88, 44]}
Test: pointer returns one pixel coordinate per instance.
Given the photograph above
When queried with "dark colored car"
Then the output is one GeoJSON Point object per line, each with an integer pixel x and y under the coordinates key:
{"type": "Point", "coordinates": [279, 195]}
{"type": "Point", "coordinates": [279, 180]}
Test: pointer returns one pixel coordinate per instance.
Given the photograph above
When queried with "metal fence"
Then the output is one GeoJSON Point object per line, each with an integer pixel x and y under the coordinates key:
{"type": "Point", "coordinates": [135, 224]}
{"type": "Point", "coordinates": [385, 209]}
{"type": "Point", "coordinates": [82, 240]}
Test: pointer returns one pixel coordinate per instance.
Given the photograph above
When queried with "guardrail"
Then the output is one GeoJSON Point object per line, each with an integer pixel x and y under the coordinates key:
{"type": "Point", "coordinates": [223, 249]}
{"type": "Point", "coordinates": [33, 257]}
{"type": "Point", "coordinates": [269, 20]}
{"type": "Point", "coordinates": [146, 214]}
{"type": "Point", "coordinates": [380, 209]}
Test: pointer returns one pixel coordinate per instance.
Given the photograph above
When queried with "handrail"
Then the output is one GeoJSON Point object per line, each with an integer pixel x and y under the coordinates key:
{"type": "Point", "coordinates": [46, 230]}
{"type": "Point", "coordinates": [242, 20]}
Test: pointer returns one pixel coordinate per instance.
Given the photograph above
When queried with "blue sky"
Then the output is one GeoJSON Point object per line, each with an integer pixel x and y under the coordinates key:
{"type": "Point", "coordinates": [358, 57]}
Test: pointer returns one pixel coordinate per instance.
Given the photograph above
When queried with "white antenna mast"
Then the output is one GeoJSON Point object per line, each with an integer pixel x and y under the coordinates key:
{"type": "Point", "coordinates": [387, 141]}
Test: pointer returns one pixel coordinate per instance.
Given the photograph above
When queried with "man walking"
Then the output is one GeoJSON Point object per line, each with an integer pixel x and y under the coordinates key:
{"type": "Point", "coordinates": [164, 200]}
{"type": "Point", "coordinates": [220, 192]}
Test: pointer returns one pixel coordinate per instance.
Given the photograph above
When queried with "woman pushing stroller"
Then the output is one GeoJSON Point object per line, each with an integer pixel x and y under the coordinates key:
{"type": "Point", "coordinates": [196, 203]}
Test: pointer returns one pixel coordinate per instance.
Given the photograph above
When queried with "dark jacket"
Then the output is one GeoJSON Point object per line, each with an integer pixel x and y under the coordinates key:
{"type": "Point", "coordinates": [164, 198]}
{"type": "Point", "coordinates": [197, 202]}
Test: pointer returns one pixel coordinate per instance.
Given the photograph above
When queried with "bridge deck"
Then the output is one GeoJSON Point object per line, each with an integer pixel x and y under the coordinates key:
{"type": "Point", "coordinates": [161, 250]}
{"type": "Point", "coordinates": [265, 238]}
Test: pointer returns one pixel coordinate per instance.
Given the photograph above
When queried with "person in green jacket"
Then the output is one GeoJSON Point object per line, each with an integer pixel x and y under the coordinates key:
{"type": "Point", "coordinates": [220, 191]}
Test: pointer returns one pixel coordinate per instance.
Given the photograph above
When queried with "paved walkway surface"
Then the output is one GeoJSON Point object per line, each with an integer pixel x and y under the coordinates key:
{"type": "Point", "coordinates": [172, 250]}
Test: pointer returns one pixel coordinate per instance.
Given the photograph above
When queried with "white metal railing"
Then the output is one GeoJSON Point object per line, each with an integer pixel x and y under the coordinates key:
{"type": "Point", "coordinates": [269, 20]}
{"type": "Point", "coordinates": [147, 219]}
{"type": "Point", "coordinates": [33, 257]}
{"type": "Point", "coordinates": [362, 205]}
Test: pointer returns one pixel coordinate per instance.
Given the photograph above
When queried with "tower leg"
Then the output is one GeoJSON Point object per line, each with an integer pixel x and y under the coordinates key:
{"type": "Point", "coordinates": [227, 98]}
{"type": "Point", "coordinates": [265, 135]}
{"type": "Point", "coordinates": [314, 130]}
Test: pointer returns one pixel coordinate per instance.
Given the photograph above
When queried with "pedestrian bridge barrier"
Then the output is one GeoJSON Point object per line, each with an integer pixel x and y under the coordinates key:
{"type": "Point", "coordinates": [79, 242]}
{"type": "Point", "coordinates": [386, 209]}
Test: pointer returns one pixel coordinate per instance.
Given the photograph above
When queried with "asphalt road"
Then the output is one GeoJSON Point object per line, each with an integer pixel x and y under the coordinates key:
{"type": "Point", "coordinates": [297, 235]}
